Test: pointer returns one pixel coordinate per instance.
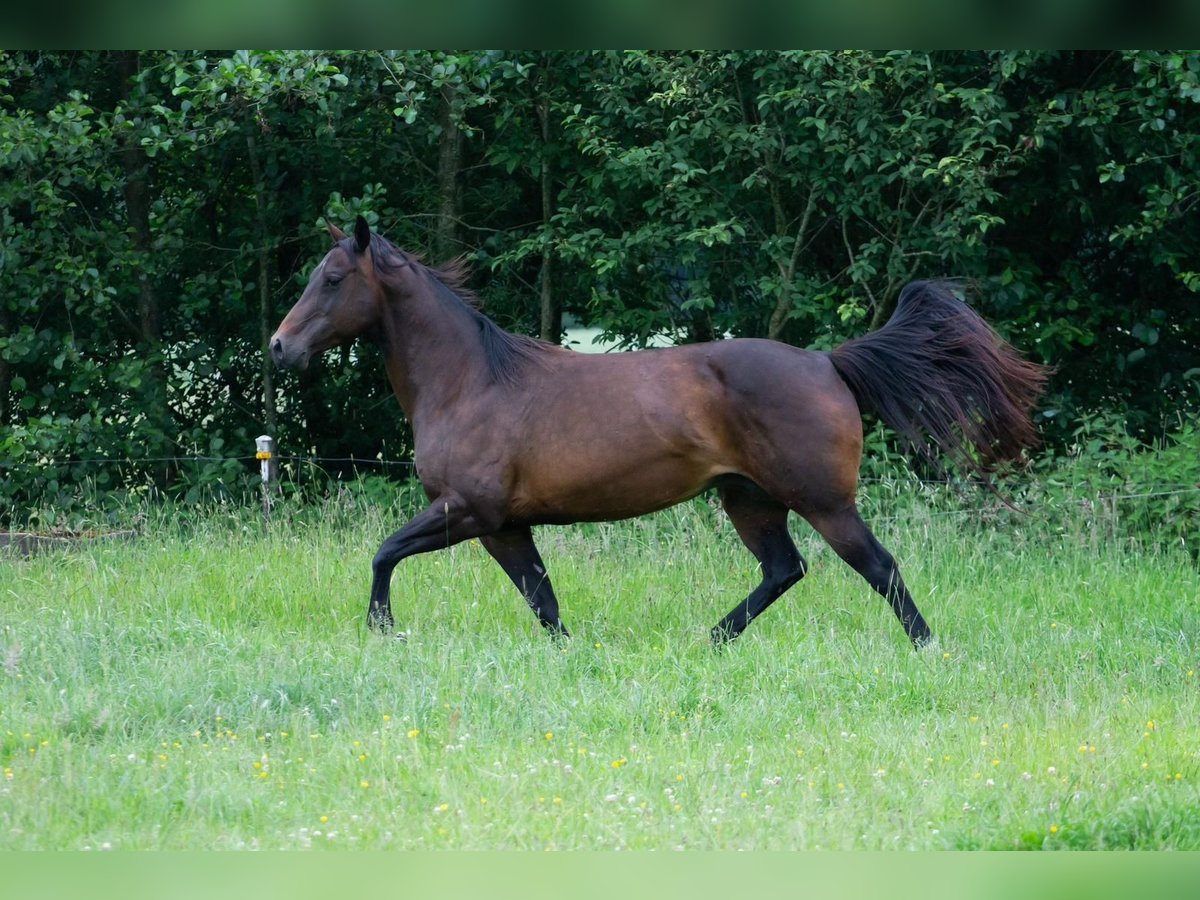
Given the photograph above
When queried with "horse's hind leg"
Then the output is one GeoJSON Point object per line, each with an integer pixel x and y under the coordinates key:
{"type": "Point", "coordinates": [514, 549]}
{"type": "Point", "coordinates": [853, 541]}
{"type": "Point", "coordinates": [761, 523]}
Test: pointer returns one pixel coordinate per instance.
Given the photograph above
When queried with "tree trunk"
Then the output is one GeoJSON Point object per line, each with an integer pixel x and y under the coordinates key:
{"type": "Point", "coordinates": [447, 240]}
{"type": "Point", "coordinates": [783, 305]}
{"type": "Point", "coordinates": [137, 194]}
{"type": "Point", "coordinates": [700, 329]}
{"type": "Point", "coordinates": [551, 305]}
{"type": "Point", "coordinates": [137, 208]}
{"type": "Point", "coordinates": [265, 280]}
{"type": "Point", "coordinates": [5, 379]}
{"type": "Point", "coordinates": [883, 312]}
{"type": "Point", "coordinates": [787, 272]}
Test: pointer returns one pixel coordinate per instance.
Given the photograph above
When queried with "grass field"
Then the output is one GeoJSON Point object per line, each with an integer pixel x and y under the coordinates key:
{"type": "Point", "coordinates": [210, 685]}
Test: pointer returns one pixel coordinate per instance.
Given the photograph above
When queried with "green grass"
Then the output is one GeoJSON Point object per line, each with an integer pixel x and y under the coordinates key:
{"type": "Point", "coordinates": [212, 686]}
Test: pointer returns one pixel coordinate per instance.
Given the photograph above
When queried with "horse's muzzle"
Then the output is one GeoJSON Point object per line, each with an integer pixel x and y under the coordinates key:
{"type": "Point", "coordinates": [287, 353]}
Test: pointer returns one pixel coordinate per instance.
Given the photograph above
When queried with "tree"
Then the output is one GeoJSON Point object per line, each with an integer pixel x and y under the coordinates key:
{"type": "Point", "coordinates": [159, 212]}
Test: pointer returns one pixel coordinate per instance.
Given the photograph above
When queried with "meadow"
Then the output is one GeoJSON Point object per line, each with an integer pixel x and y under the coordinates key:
{"type": "Point", "coordinates": [211, 685]}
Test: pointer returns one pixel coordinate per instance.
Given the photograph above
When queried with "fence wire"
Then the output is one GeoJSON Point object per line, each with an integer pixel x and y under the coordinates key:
{"type": "Point", "coordinates": [249, 458]}
{"type": "Point", "coordinates": [1147, 490]}
{"type": "Point", "coordinates": [1081, 502]}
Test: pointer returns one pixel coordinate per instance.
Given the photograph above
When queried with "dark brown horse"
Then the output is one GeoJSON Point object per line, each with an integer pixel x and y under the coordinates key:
{"type": "Point", "coordinates": [511, 432]}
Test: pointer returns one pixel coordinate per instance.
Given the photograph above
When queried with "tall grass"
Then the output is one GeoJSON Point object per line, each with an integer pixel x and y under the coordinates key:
{"type": "Point", "coordinates": [212, 685]}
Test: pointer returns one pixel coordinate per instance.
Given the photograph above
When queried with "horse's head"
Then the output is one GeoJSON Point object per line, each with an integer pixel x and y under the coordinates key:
{"type": "Point", "coordinates": [341, 302]}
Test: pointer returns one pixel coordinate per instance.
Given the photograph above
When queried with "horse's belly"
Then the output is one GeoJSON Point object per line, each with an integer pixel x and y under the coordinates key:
{"type": "Point", "coordinates": [582, 487]}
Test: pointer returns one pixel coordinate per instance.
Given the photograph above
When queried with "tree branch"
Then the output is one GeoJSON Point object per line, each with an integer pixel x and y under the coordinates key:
{"type": "Point", "coordinates": [783, 301]}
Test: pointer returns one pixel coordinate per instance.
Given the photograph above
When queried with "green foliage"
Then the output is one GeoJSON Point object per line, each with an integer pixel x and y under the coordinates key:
{"type": "Point", "coordinates": [761, 192]}
{"type": "Point", "coordinates": [160, 212]}
{"type": "Point", "coordinates": [1127, 486]}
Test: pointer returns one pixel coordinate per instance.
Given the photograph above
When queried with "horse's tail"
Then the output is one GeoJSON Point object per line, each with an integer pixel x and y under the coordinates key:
{"type": "Point", "coordinates": [938, 372]}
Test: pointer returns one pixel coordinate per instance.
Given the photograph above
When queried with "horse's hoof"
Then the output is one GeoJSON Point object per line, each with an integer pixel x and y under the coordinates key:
{"type": "Point", "coordinates": [380, 624]}
{"type": "Point", "coordinates": [721, 636]}
{"type": "Point", "coordinates": [401, 636]}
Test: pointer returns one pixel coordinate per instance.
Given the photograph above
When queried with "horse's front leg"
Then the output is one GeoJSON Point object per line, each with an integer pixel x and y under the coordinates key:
{"type": "Point", "coordinates": [447, 521]}
{"type": "Point", "coordinates": [514, 549]}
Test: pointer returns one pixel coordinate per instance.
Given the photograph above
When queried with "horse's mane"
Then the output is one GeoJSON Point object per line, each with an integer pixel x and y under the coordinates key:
{"type": "Point", "coordinates": [504, 353]}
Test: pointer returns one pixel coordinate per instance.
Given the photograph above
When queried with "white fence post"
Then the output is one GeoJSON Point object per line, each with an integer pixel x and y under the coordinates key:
{"type": "Point", "coordinates": [269, 469]}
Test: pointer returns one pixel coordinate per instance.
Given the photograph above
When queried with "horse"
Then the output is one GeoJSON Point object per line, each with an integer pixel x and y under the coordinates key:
{"type": "Point", "coordinates": [511, 432]}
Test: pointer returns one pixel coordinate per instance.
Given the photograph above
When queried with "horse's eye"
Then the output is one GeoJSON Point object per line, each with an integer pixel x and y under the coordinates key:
{"type": "Point", "coordinates": [333, 280]}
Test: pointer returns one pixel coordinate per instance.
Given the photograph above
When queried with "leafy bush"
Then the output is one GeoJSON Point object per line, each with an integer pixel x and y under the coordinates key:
{"type": "Point", "coordinates": [1127, 485]}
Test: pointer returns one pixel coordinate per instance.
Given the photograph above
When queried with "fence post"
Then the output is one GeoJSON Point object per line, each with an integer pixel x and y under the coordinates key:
{"type": "Point", "coordinates": [269, 469]}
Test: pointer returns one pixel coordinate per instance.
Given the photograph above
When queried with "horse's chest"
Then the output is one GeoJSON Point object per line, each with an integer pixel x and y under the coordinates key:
{"type": "Point", "coordinates": [457, 464]}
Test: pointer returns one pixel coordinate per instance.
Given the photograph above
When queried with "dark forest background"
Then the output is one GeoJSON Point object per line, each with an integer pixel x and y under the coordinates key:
{"type": "Point", "coordinates": [160, 211]}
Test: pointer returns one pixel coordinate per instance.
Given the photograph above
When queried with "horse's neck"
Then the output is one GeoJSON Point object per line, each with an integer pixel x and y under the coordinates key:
{"type": "Point", "coordinates": [432, 350]}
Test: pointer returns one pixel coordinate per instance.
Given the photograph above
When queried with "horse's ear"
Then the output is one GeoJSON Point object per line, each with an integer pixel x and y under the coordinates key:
{"type": "Point", "coordinates": [336, 233]}
{"type": "Point", "coordinates": [362, 235]}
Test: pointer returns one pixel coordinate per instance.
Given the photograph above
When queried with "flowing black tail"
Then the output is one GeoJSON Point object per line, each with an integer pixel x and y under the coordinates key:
{"type": "Point", "coordinates": [938, 372]}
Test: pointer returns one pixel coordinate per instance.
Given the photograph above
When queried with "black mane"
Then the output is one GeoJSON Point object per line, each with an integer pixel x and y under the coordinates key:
{"type": "Point", "coordinates": [504, 353]}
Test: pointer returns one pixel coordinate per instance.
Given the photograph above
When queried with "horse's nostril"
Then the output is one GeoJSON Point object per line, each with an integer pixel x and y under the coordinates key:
{"type": "Point", "coordinates": [277, 350]}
